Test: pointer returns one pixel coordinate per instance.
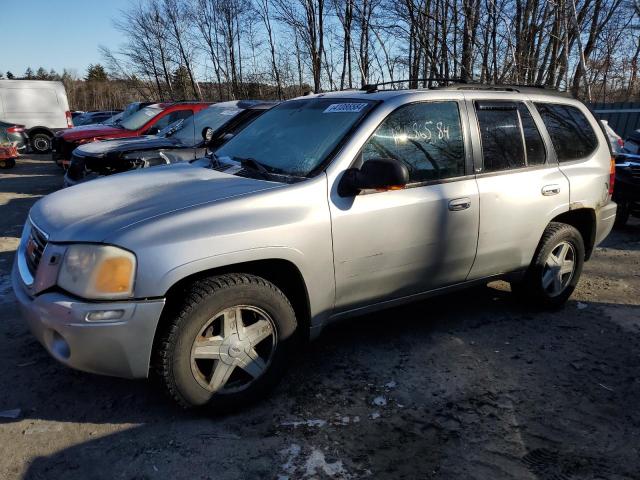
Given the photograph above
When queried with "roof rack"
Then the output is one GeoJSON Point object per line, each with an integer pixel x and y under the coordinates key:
{"type": "Point", "coordinates": [463, 84]}
{"type": "Point", "coordinates": [374, 87]}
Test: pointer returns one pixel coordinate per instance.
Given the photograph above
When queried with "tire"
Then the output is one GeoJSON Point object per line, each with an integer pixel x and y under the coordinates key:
{"type": "Point", "coordinates": [200, 360]}
{"type": "Point", "coordinates": [41, 143]}
{"type": "Point", "coordinates": [622, 214]}
{"type": "Point", "coordinates": [536, 288]}
{"type": "Point", "coordinates": [7, 163]}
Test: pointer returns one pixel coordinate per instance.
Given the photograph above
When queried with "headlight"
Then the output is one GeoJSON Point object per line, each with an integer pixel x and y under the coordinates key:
{"type": "Point", "coordinates": [98, 271]}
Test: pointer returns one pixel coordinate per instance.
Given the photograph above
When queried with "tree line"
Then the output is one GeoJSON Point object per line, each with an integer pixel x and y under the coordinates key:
{"type": "Point", "coordinates": [231, 49]}
{"type": "Point", "coordinates": [226, 49]}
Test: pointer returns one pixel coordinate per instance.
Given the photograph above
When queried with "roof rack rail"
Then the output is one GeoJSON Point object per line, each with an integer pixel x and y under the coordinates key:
{"type": "Point", "coordinates": [503, 86]}
{"type": "Point", "coordinates": [373, 87]}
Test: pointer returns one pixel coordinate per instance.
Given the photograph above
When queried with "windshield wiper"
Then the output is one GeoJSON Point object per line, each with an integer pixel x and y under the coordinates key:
{"type": "Point", "coordinates": [253, 164]}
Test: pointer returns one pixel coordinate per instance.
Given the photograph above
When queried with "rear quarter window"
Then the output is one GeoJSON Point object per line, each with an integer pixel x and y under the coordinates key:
{"type": "Point", "coordinates": [571, 133]}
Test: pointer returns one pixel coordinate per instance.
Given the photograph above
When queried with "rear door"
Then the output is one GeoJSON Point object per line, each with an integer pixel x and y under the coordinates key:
{"type": "Point", "coordinates": [520, 185]}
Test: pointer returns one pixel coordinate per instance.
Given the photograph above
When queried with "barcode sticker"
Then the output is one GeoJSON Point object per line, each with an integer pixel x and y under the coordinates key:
{"type": "Point", "coordinates": [345, 108]}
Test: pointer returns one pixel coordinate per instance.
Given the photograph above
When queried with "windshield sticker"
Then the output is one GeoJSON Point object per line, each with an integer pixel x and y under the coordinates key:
{"type": "Point", "coordinates": [345, 108]}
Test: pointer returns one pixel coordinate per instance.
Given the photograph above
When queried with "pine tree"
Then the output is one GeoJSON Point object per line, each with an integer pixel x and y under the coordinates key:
{"type": "Point", "coordinates": [28, 74]}
{"type": "Point", "coordinates": [96, 73]}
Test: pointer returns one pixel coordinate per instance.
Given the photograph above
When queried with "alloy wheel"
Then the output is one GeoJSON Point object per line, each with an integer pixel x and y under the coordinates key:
{"type": "Point", "coordinates": [233, 349]}
{"type": "Point", "coordinates": [559, 269]}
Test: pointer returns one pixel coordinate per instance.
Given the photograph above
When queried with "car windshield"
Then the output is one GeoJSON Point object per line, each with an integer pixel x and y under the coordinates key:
{"type": "Point", "coordinates": [189, 131]}
{"type": "Point", "coordinates": [138, 119]}
{"type": "Point", "coordinates": [114, 120]}
{"type": "Point", "coordinates": [295, 137]}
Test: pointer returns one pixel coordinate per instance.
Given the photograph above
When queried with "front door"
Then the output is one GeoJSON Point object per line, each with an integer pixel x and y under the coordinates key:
{"type": "Point", "coordinates": [398, 243]}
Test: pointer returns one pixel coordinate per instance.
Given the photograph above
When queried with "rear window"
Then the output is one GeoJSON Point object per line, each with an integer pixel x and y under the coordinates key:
{"type": "Point", "coordinates": [571, 133]}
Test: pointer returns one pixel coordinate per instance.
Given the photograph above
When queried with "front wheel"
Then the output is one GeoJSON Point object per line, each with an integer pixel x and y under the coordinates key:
{"type": "Point", "coordinates": [227, 344]}
{"type": "Point", "coordinates": [556, 267]}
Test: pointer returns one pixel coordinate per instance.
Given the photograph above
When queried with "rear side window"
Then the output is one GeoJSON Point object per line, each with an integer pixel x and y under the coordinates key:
{"type": "Point", "coordinates": [510, 138]}
{"type": "Point", "coordinates": [426, 137]}
{"type": "Point", "coordinates": [571, 133]}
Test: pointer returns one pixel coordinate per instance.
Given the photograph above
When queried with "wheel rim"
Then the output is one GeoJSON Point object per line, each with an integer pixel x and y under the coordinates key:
{"type": "Point", "coordinates": [41, 144]}
{"type": "Point", "coordinates": [233, 349]}
{"type": "Point", "coordinates": [559, 269]}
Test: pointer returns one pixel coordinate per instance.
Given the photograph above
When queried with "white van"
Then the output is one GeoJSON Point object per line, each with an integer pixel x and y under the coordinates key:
{"type": "Point", "coordinates": [40, 105]}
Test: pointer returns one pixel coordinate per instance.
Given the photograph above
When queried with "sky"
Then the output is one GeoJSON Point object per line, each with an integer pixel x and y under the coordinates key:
{"type": "Point", "coordinates": [56, 34]}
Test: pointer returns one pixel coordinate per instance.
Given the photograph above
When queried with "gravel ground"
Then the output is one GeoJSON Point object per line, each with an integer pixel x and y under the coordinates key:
{"type": "Point", "coordinates": [473, 388]}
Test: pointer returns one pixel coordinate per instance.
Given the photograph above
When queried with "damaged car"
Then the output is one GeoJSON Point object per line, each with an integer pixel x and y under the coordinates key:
{"type": "Point", "coordinates": [184, 140]}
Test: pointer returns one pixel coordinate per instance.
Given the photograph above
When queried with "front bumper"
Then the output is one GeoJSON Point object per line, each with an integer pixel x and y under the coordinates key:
{"type": "Point", "coordinates": [119, 348]}
{"type": "Point", "coordinates": [605, 218]}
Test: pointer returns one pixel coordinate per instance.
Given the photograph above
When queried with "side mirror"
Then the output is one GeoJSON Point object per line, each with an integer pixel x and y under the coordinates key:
{"type": "Point", "coordinates": [153, 131]}
{"type": "Point", "coordinates": [207, 134]}
{"type": "Point", "coordinates": [375, 174]}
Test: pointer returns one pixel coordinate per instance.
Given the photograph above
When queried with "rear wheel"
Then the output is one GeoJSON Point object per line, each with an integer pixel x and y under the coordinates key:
{"type": "Point", "coordinates": [227, 344]}
{"type": "Point", "coordinates": [555, 269]}
{"type": "Point", "coordinates": [41, 143]}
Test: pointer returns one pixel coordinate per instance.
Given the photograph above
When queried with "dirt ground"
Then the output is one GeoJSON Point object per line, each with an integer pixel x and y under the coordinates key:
{"type": "Point", "coordinates": [469, 386]}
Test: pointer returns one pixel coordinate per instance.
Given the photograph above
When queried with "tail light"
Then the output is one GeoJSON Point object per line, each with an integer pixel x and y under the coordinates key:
{"type": "Point", "coordinates": [69, 119]}
{"type": "Point", "coordinates": [15, 129]}
{"type": "Point", "coordinates": [612, 175]}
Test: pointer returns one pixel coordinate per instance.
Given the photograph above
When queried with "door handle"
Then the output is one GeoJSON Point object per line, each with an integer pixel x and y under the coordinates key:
{"type": "Point", "coordinates": [458, 204]}
{"type": "Point", "coordinates": [549, 190]}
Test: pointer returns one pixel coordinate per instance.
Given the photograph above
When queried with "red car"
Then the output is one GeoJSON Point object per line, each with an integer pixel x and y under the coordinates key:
{"type": "Point", "coordinates": [147, 121]}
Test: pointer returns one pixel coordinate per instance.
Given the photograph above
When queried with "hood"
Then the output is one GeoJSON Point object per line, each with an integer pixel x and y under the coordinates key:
{"type": "Point", "coordinates": [98, 130]}
{"type": "Point", "coordinates": [93, 211]}
{"type": "Point", "coordinates": [124, 145]}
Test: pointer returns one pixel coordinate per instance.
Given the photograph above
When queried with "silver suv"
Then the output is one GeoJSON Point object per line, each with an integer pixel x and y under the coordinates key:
{"type": "Point", "coordinates": [327, 206]}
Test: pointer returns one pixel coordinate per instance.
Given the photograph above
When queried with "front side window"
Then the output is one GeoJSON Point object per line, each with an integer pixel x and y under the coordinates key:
{"type": "Point", "coordinates": [570, 131]}
{"type": "Point", "coordinates": [510, 138]}
{"type": "Point", "coordinates": [426, 137]}
{"type": "Point", "coordinates": [297, 136]}
{"type": "Point", "coordinates": [141, 117]}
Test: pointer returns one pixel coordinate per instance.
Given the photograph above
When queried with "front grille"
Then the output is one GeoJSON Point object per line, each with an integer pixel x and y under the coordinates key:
{"type": "Point", "coordinates": [76, 168]}
{"type": "Point", "coordinates": [35, 248]}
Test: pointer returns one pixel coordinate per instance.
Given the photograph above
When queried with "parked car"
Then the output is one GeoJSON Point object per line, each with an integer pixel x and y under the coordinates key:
{"type": "Point", "coordinates": [76, 113]}
{"type": "Point", "coordinates": [324, 207]}
{"type": "Point", "coordinates": [627, 186]}
{"type": "Point", "coordinates": [94, 117]}
{"type": "Point", "coordinates": [41, 106]}
{"type": "Point", "coordinates": [8, 155]}
{"type": "Point", "coordinates": [184, 140]}
{"type": "Point", "coordinates": [615, 140]}
{"type": "Point", "coordinates": [14, 134]}
{"type": "Point", "coordinates": [147, 121]}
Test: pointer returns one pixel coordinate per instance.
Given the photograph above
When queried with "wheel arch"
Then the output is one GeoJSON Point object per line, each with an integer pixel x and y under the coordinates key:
{"type": "Point", "coordinates": [583, 220]}
{"type": "Point", "coordinates": [282, 273]}
{"type": "Point", "coordinates": [40, 129]}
